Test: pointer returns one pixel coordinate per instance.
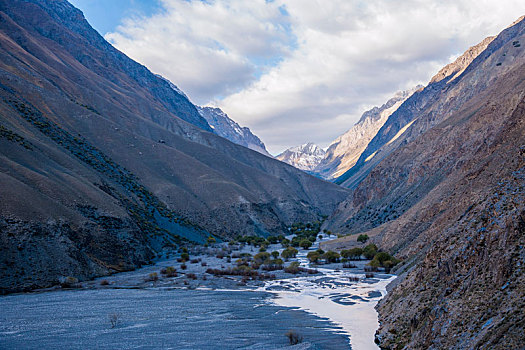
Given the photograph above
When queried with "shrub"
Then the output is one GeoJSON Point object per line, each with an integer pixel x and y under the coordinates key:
{"type": "Point", "coordinates": [261, 257]}
{"type": "Point", "coordinates": [289, 252]}
{"type": "Point", "coordinates": [292, 268]}
{"type": "Point", "coordinates": [152, 277]}
{"type": "Point", "coordinates": [313, 256]}
{"type": "Point", "coordinates": [204, 263]}
{"type": "Point", "coordinates": [243, 270]}
{"type": "Point", "coordinates": [383, 259]}
{"type": "Point", "coordinates": [374, 263]}
{"type": "Point", "coordinates": [69, 282]}
{"type": "Point", "coordinates": [331, 256]}
{"type": "Point", "coordinates": [370, 251]}
{"type": "Point", "coordinates": [183, 266]}
{"type": "Point", "coordinates": [272, 265]}
{"type": "Point", "coordinates": [104, 283]}
{"type": "Point", "coordinates": [362, 238]}
{"type": "Point", "coordinates": [194, 261]}
{"type": "Point", "coordinates": [305, 243]}
{"type": "Point", "coordinates": [275, 254]}
{"type": "Point", "coordinates": [185, 256]}
{"type": "Point", "coordinates": [294, 338]}
{"type": "Point", "coordinates": [114, 319]}
{"type": "Point", "coordinates": [191, 276]}
{"type": "Point", "coordinates": [169, 271]}
{"type": "Point", "coordinates": [352, 254]}
{"type": "Point", "coordinates": [369, 275]}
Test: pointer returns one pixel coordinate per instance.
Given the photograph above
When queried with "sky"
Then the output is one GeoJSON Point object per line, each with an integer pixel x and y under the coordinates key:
{"type": "Point", "coordinates": [296, 71]}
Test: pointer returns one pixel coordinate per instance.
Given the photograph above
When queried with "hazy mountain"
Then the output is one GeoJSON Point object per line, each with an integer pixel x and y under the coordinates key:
{"type": "Point", "coordinates": [225, 127]}
{"type": "Point", "coordinates": [305, 157]}
{"type": "Point", "coordinates": [103, 164]}
{"type": "Point", "coordinates": [442, 185]}
{"type": "Point", "coordinates": [343, 153]}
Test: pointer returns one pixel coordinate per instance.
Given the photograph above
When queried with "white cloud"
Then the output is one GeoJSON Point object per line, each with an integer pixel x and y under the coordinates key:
{"type": "Point", "coordinates": [208, 49]}
{"type": "Point", "coordinates": [334, 57]}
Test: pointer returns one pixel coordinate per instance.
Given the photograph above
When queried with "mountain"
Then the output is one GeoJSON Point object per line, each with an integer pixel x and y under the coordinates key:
{"type": "Point", "coordinates": [104, 165]}
{"type": "Point", "coordinates": [432, 101]}
{"type": "Point", "coordinates": [305, 157]}
{"type": "Point", "coordinates": [343, 153]}
{"type": "Point", "coordinates": [223, 126]}
{"type": "Point", "coordinates": [446, 193]}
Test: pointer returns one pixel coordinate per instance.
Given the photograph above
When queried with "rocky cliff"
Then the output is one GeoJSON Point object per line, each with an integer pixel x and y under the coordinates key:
{"type": "Point", "coordinates": [225, 127]}
{"type": "Point", "coordinates": [447, 196]}
{"type": "Point", "coordinates": [104, 164]}
{"type": "Point", "coordinates": [343, 153]}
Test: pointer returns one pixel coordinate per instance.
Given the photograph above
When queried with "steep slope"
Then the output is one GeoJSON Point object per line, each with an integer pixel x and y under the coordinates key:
{"type": "Point", "coordinates": [434, 103]}
{"type": "Point", "coordinates": [343, 153]}
{"type": "Point", "coordinates": [305, 157]}
{"type": "Point", "coordinates": [104, 164]}
{"type": "Point", "coordinates": [223, 126]}
{"type": "Point", "coordinates": [450, 201]}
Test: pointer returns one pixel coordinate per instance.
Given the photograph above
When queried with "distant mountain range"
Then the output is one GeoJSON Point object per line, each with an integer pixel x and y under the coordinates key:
{"type": "Point", "coordinates": [343, 153]}
{"type": "Point", "coordinates": [305, 157]}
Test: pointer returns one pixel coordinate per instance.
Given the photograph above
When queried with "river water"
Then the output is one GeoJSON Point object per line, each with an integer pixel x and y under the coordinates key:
{"type": "Point", "coordinates": [329, 311]}
{"type": "Point", "coordinates": [347, 303]}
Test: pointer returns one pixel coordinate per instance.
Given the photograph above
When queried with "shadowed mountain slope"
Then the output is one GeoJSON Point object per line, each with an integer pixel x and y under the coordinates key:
{"type": "Point", "coordinates": [103, 164]}
{"type": "Point", "coordinates": [449, 198]}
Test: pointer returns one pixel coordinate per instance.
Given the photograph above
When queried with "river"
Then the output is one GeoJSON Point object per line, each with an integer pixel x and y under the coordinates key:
{"type": "Point", "coordinates": [329, 311]}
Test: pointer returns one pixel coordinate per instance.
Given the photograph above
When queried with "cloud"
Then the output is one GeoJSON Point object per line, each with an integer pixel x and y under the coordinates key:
{"type": "Point", "coordinates": [304, 70]}
{"type": "Point", "coordinates": [208, 49]}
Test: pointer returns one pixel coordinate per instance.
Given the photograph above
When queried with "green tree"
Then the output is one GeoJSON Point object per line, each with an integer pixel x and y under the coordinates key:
{"type": "Point", "coordinates": [275, 254]}
{"type": "Point", "coordinates": [370, 251]}
{"type": "Point", "coordinates": [261, 257]}
{"type": "Point", "coordinates": [331, 256]}
{"type": "Point", "coordinates": [289, 252]}
{"type": "Point", "coordinates": [285, 243]}
{"type": "Point", "coordinates": [305, 243]}
{"type": "Point", "coordinates": [362, 238]}
{"type": "Point", "coordinates": [313, 256]}
{"type": "Point", "coordinates": [352, 254]}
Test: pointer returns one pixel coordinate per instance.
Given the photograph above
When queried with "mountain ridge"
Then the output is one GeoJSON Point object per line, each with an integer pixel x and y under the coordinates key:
{"type": "Point", "coordinates": [344, 151]}
{"type": "Point", "coordinates": [305, 157]}
{"type": "Point", "coordinates": [225, 127]}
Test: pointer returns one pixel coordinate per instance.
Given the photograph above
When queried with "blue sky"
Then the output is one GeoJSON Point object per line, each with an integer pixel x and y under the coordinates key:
{"type": "Point", "coordinates": [297, 71]}
{"type": "Point", "coordinates": [106, 15]}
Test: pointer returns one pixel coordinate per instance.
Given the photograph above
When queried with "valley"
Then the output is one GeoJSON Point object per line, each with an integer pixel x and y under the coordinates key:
{"type": "Point", "coordinates": [133, 217]}
{"type": "Point", "coordinates": [333, 309]}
